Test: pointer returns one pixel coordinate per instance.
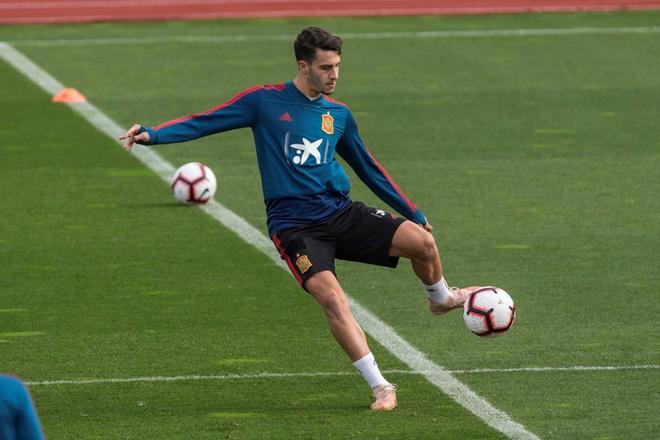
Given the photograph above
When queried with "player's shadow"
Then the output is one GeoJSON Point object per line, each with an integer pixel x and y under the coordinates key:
{"type": "Point", "coordinates": [156, 205]}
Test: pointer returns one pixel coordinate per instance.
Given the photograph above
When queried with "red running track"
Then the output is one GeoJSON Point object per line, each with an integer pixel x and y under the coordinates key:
{"type": "Point", "coordinates": [76, 11]}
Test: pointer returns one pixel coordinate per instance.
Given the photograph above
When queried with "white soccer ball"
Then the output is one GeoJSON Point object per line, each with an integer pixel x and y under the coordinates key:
{"type": "Point", "coordinates": [489, 311]}
{"type": "Point", "coordinates": [194, 182]}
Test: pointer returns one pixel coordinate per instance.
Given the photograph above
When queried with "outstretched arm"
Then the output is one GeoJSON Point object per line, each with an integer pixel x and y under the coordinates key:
{"type": "Point", "coordinates": [240, 111]}
{"type": "Point", "coordinates": [374, 175]}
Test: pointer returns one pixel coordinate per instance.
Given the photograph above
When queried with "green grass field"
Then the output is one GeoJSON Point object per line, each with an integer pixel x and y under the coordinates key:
{"type": "Point", "coordinates": [536, 158]}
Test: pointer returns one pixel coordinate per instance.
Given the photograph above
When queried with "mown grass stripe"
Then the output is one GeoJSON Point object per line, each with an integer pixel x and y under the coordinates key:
{"type": "Point", "coordinates": [223, 39]}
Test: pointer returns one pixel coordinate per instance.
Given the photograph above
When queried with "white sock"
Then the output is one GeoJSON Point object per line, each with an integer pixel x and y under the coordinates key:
{"type": "Point", "coordinates": [438, 292]}
{"type": "Point", "coordinates": [368, 367]}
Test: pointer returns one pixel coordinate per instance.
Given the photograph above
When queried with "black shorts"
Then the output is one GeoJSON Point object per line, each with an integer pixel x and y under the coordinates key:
{"type": "Point", "coordinates": [358, 233]}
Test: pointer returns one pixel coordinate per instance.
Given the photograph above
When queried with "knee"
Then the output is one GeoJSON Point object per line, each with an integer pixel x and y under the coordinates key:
{"type": "Point", "coordinates": [427, 249]}
{"type": "Point", "coordinates": [334, 304]}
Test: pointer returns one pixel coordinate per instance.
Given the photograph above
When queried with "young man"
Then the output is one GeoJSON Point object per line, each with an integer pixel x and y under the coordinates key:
{"type": "Point", "coordinates": [298, 129]}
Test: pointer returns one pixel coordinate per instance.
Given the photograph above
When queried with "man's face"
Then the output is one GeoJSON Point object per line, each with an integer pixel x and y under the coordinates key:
{"type": "Point", "coordinates": [323, 72]}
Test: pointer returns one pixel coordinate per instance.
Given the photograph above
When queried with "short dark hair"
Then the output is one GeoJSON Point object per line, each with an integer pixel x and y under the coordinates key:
{"type": "Point", "coordinates": [312, 38]}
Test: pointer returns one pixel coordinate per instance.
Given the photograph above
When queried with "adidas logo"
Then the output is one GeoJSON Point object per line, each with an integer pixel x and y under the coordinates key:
{"type": "Point", "coordinates": [286, 117]}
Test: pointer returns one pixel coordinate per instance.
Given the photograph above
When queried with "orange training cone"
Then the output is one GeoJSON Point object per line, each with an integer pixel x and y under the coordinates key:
{"type": "Point", "coordinates": [68, 95]}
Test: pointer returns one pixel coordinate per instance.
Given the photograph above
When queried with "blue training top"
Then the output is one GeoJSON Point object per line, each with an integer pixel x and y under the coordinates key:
{"type": "Point", "coordinates": [18, 417]}
{"type": "Point", "coordinates": [296, 140]}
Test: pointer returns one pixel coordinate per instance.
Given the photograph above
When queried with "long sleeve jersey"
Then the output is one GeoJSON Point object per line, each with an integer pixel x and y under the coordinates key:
{"type": "Point", "coordinates": [296, 140]}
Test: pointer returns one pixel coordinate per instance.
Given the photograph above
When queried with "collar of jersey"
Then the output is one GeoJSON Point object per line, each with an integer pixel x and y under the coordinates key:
{"type": "Point", "coordinates": [303, 97]}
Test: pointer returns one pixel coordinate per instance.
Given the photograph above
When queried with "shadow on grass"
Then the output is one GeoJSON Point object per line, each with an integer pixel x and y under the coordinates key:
{"type": "Point", "coordinates": [155, 205]}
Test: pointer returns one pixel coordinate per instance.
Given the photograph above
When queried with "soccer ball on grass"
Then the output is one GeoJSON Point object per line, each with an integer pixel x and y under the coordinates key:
{"type": "Point", "coordinates": [194, 182]}
{"type": "Point", "coordinates": [489, 311]}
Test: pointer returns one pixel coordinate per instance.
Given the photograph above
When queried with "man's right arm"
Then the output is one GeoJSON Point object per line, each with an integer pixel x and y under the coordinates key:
{"type": "Point", "coordinates": [135, 135]}
{"type": "Point", "coordinates": [240, 111]}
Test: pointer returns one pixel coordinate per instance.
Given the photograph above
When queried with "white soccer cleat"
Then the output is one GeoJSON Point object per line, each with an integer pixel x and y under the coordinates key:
{"type": "Point", "coordinates": [385, 396]}
{"type": "Point", "coordinates": [455, 301]}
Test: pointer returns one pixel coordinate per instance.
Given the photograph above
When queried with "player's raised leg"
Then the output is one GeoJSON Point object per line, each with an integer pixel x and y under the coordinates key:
{"type": "Point", "coordinates": [417, 244]}
{"type": "Point", "coordinates": [327, 291]}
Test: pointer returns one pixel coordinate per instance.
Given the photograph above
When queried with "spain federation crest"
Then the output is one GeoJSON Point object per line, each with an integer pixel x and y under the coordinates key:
{"type": "Point", "coordinates": [328, 123]}
{"type": "Point", "coordinates": [303, 263]}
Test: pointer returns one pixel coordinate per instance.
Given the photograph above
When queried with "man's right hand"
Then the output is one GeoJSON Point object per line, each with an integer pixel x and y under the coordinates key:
{"type": "Point", "coordinates": [132, 136]}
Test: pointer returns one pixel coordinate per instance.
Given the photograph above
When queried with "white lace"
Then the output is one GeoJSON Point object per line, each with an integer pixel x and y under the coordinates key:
{"type": "Point", "coordinates": [385, 391]}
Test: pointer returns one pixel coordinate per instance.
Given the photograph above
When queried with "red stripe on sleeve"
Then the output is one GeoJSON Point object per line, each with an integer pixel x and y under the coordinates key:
{"type": "Point", "coordinates": [382, 169]}
{"type": "Point", "coordinates": [236, 97]}
{"type": "Point", "coordinates": [335, 101]}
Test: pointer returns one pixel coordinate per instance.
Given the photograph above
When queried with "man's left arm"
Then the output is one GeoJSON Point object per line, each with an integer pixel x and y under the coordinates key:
{"type": "Point", "coordinates": [351, 148]}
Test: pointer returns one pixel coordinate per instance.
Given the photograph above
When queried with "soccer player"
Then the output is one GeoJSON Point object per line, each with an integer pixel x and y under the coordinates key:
{"type": "Point", "coordinates": [311, 219]}
{"type": "Point", "coordinates": [18, 416]}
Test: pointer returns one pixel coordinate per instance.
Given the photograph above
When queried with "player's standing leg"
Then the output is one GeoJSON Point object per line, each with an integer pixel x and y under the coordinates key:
{"type": "Point", "coordinates": [327, 291]}
{"type": "Point", "coordinates": [414, 242]}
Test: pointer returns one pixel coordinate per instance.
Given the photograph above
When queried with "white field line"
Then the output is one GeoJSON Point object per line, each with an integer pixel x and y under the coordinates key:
{"type": "Point", "coordinates": [265, 375]}
{"type": "Point", "coordinates": [210, 39]}
{"type": "Point", "coordinates": [379, 330]}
